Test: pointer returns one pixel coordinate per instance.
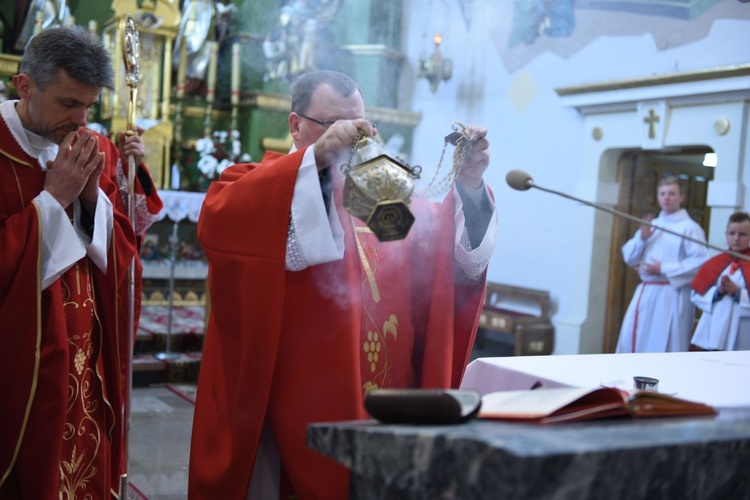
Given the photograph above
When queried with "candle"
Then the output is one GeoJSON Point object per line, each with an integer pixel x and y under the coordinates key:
{"type": "Point", "coordinates": [212, 64]}
{"type": "Point", "coordinates": [182, 69]}
{"type": "Point", "coordinates": [236, 69]}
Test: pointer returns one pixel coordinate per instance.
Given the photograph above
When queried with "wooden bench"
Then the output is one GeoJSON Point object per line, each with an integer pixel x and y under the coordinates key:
{"type": "Point", "coordinates": [522, 312]}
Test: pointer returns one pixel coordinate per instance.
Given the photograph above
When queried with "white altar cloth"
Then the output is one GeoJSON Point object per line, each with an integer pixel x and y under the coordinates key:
{"type": "Point", "coordinates": [720, 379]}
{"type": "Point", "coordinates": [179, 205]}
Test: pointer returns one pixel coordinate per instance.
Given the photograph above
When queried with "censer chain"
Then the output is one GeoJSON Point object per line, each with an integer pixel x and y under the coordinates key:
{"type": "Point", "coordinates": [463, 146]}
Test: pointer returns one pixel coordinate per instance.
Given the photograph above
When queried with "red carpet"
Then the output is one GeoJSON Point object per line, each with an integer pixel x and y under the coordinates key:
{"type": "Point", "coordinates": [134, 493]}
{"type": "Point", "coordinates": [185, 320]}
{"type": "Point", "coordinates": [185, 391]}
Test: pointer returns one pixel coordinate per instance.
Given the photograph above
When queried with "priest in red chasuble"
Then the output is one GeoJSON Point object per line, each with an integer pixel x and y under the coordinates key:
{"type": "Point", "coordinates": [310, 310]}
{"type": "Point", "coordinates": [66, 244]}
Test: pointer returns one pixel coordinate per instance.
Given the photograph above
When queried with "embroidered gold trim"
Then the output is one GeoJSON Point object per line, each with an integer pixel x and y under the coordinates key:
{"type": "Point", "coordinates": [17, 160]}
{"type": "Point", "coordinates": [18, 184]}
{"type": "Point", "coordinates": [366, 263]}
{"type": "Point", "coordinates": [126, 390]}
{"type": "Point", "coordinates": [95, 312]}
{"type": "Point", "coordinates": [80, 467]}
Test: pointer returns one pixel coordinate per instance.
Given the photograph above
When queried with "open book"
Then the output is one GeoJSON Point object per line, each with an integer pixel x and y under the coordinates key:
{"type": "Point", "coordinates": [567, 404]}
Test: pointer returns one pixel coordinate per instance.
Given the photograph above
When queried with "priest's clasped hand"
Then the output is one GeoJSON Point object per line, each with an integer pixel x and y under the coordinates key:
{"type": "Point", "coordinates": [76, 170]}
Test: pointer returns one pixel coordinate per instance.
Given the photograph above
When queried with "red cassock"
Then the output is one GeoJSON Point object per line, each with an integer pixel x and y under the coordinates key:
{"type": "Point", "coordinates": [295, 348]}
{"type": "Point", "coordinates": [63, 357]}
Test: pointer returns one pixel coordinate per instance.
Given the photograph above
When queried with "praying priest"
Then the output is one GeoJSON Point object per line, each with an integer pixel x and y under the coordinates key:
{"type": "Point", "coordinates": [66, 244]}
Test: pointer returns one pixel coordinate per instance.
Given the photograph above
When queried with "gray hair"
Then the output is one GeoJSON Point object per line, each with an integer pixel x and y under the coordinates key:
{"type": "Point", "coordinates": [303, 87]}
{"type": "Point", "coordinates": [81, 54]}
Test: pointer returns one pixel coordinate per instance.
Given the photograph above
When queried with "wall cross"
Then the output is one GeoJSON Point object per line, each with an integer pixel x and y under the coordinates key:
{"type": "Point", "coordinates": [651, 119]}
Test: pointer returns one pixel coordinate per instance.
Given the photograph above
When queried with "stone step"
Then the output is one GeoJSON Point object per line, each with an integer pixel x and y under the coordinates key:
{"type": "Point", "coordinates": [178, 342]}
{"type": "Point", "coordinates": [149, 370]}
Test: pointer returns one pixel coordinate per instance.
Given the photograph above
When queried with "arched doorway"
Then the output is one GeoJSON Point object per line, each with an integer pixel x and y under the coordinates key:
{"type": "Point", "coordinates": [638, 174]}
{"type": "Point", "coordinates": [704, 108]}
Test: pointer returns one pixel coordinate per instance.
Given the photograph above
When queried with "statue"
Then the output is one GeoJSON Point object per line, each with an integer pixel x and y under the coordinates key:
{"type": "Point", "coordinates": [202, 21]}
{"type": "Point", "coordinates": [289, 47]}
{"type": "Point", "coordinates": [54, 13]}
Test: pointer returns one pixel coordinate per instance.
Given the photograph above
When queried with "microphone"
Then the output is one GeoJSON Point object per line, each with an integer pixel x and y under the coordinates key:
{"type": "Point", "coordinates": [522, 181]}
{"type": "Point", "coordinates": [519, 180]}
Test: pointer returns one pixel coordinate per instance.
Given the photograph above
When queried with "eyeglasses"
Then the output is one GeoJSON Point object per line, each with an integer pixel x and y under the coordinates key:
{"type": "Point", "coordinates": [328, 123]}
{"type": "Point", "coordinates": [323, 123]}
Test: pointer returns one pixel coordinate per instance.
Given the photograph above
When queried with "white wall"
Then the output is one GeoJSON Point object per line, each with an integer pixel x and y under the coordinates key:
{"type": "Point", "coordinates": [530, 128]}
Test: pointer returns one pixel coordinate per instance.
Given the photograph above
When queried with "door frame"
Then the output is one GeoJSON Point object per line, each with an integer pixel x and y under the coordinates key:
{"type": "Point", "coordinates": [707, 108]}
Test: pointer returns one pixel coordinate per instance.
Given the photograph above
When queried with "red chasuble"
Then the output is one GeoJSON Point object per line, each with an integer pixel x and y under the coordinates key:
{"type": "Point", "coordinates": [293, 348]}
{"type": "Point", "coordinates": [63, 353]}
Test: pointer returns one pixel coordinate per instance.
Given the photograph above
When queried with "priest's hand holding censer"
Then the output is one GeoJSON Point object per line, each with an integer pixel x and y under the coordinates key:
{"type": "Point", "coordinates": [470, 159]}
{"type": "Point", "coordinates": [378, 188]}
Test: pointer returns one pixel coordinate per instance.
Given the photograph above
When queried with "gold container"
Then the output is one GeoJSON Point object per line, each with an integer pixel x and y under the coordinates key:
{"type": "Point", "coordinates": [378, 191]}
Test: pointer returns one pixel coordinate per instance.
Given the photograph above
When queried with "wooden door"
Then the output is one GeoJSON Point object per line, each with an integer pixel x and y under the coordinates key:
{"type": "Point", "coordinates": [638, 175]}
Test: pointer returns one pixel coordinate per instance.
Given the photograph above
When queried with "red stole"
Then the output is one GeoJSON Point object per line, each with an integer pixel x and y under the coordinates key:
{"type": "Point", "coordinates": [709, 272]}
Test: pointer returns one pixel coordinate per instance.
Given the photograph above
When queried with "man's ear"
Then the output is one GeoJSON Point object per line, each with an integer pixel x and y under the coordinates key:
{"type": "Point", "coordinates": [23, 85]}
{"type": "Point", "coordinates": [294, 120]}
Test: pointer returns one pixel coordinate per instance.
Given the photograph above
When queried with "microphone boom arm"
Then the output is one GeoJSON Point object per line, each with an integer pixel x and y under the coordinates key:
{"type": "Point", "coordinates": [641, 221]}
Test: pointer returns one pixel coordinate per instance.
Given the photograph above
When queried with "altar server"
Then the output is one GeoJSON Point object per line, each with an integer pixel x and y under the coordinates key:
{"type": "Point", "coordinates": [720, 291]}
{"type": "Point", "coordinates": [660, 315]}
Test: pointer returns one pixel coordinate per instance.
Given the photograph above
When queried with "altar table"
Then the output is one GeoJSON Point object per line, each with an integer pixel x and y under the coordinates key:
{"type": "Point", "coordinates": [686, 458]}
{"type": "Point", "coordinates": [719, 379]}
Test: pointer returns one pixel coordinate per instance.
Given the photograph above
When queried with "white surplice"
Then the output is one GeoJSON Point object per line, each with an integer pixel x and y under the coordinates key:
{"type": "Point", "coordinates": [660, 315]}
{"type": "Point", "coordinates": [725, 323]}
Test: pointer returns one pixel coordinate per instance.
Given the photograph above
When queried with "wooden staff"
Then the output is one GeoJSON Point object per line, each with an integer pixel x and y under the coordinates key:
{"type": "Point", "coordinates": [131, 57]}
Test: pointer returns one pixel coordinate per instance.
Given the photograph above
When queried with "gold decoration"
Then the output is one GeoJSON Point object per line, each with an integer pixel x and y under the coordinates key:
{"type": "Point", "coordinates": [664, 79]}
{"type": "Point", "coordinates": [157, 22]}
{"type": "Point", "coordinates": [276, 144]}
{"type": "Point", "coordinates": [435, 68]}
{"type": "Point", "coordinates": [378, 188]}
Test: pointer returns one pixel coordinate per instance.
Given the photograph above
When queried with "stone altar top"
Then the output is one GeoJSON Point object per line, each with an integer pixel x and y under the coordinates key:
{"type": "Point", "coordinates": [687, 457]}
{"type": "Point", "coordinates": [695, 457]}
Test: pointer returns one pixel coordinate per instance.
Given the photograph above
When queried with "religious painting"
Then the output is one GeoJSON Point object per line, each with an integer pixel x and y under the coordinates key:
{"type": "Point", "coordinates": [524, 29]}
{"type": "Point", "coordinates": [150, 247]}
